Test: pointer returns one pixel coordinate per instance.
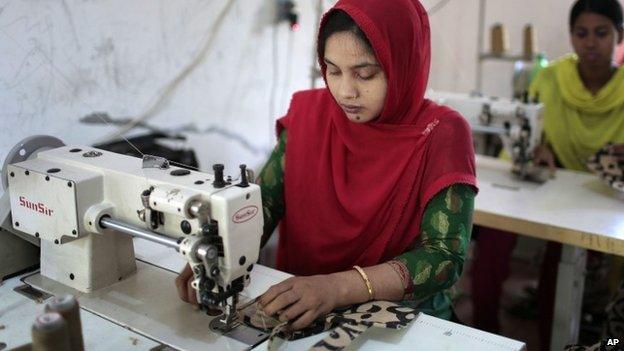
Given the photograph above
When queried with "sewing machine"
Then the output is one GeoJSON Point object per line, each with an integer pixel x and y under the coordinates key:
{"type": "Point", "coordinates": [517, 123]}
{"type": "Point", "coordinates": [83, 206]}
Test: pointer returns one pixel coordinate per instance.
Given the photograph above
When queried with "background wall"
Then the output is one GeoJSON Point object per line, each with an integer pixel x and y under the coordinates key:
{"type": "Point", "coordinates": [454, 40]}
{"type": "Point", "coordinates": [62, 60]}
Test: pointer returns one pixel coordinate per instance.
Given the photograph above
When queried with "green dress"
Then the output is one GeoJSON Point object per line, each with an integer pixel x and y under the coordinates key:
{"type": "Point", "coordinates": [429, 268]}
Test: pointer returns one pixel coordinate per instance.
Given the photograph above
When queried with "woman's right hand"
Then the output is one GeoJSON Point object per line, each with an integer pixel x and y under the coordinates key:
{"type": "Point", "coordinates": [543, 155]}
{"type": "Point", "coordinates": [183, 284]}
{"type": "Point", "coordinates": [618, 151]}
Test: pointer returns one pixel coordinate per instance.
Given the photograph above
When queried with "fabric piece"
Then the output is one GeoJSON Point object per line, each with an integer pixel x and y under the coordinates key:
{"type": "Point", "coordinates": [271, 181]}
{"type": "Point", "coordinates": [607, 166]}
{"type": "Point", "coordinates": [576, 123]}
{"type": "Point", "coordinates": [356, 193]}
{"type": "Point", "coordinates": [345, 325]}
{"type": "Point", "coordinates": [438, 258]}
{"type": "Point", "coordinates": [436, 247]}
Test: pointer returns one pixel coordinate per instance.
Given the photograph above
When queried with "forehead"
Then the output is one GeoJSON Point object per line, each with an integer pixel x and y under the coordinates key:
{"type": "Point", "coordinates": [591, 20]}
{"type": "Point", "coordinates": [345, 48]}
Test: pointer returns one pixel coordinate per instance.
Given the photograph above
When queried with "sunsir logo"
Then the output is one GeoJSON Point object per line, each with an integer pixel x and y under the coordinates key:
{"type": "Point", "coordinates": [245, 214]}
{"type": "Point", "coordinates": [35, 206]}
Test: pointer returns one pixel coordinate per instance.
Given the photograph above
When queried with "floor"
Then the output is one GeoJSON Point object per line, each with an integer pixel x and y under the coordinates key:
{"type": "Point", "coordinates": [522, 275]}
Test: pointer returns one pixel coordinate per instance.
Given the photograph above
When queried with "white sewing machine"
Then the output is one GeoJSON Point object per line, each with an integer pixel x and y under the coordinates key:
{"type": "Point", "coordinates": [83, 206]}
{"type": "Point", "coordinates": [518, 123]}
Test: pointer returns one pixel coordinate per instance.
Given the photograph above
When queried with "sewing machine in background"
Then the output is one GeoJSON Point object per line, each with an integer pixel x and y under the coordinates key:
{"type": "Point", "coordinates": [517, 123]}
{"type": "Point", "coordinates": [83, 206]}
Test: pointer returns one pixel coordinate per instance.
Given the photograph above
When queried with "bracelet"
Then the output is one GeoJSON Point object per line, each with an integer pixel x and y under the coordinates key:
{"type": "Point", "coordinates": [369, 286]}
{"type": "Point", "coordinates": [403, 272]}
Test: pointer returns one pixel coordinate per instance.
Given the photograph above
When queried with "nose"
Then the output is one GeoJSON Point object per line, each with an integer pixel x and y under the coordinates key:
{"type": "Point", "coordinates": [591, 40]}
{"type": "Point", "coordinates": [348, 88]}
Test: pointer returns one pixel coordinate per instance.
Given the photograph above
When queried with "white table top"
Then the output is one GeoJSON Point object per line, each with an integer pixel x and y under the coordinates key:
{"type": "Point", "coordinates": [101, 332]}
{"type": "Point", "coordinates": [18, 313]}
{"type": "Point", "coordinates": [573, 208]}
{"type": "Point", "coordinates": [429, 332]}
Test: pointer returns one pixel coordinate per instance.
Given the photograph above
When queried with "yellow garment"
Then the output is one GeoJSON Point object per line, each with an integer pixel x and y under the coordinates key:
{"type": "Point", "coordinates": [576, 123]}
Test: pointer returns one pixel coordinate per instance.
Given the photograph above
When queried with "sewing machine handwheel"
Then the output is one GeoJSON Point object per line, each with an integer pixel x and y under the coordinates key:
{"type": "Point", "coordinates": [26, 148]}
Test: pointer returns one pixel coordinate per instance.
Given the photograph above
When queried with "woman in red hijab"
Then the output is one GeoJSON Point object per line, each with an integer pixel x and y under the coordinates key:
{"type": "Point", "coordinates": [372, 185]}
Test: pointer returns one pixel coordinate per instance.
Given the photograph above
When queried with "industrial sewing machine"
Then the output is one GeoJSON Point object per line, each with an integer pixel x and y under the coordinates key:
{"type": "Point", "coordinates": [517, 123]}
{"type": "Point", "coordinates": [83, 206]}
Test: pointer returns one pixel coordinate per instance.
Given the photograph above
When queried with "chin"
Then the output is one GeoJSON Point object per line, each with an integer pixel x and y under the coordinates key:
{"type": "Point", "coordinates": [354, 119]}
{"type": "Point", "coordinates": [598, 62]}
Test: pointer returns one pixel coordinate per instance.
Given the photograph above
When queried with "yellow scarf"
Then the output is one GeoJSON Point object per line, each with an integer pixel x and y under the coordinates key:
{"type": "Point", "coordinates": [576, 123]}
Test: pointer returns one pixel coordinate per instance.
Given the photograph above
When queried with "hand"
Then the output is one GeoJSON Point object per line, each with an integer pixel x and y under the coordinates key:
{"type": "Point", "coordinates": [544, 155]}
{"type": "Point", "coordinates": [301, 299]}
{"type": "Point", "coordinates": [183, 284]}
{"type": "Point", "coordinates": [618, 150]}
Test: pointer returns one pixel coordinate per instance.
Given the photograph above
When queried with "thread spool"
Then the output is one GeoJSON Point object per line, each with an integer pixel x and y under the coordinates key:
{"type": "Point", "coordinates": [50, 333]}
{"type": "Point", "coordinates": [67, 307]}
{"type": "Point", "coordinates": [499, 40]}
{"type": "Point", "coordinates": [529, 42]}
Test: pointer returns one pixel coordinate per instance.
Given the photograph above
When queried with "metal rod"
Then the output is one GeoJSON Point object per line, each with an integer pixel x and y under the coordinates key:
{"type": "Point", "coordinates": [480, 45]}
{"type": "Point", "coordinates": [109, 223]}
{"type": "Point", "coordinates": [488, 129]}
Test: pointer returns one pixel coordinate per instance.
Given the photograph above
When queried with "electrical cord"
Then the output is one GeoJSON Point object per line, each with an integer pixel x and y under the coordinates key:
{"type": "Point", "coordinates": [274, 79]}
{"type": "Point", "coordinates": [172, 87]}
{"type": "Point", "coordinates": [288, 70]}
{"type": "Point", "coordinates": [437, 7]}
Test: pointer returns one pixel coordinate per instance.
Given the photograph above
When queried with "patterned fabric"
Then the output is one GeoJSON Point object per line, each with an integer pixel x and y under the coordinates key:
{"type": "Point", "coordinates": [346, 324]}
{"type": "Point", "coordinates": [271, 181]}
{"type": "Point", "coordinates": [435, 261]}
{"type": "Point", "coordinates": [605, 163]}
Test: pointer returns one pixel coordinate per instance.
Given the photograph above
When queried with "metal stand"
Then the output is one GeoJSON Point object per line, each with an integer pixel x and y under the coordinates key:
{"type": "Point", "coordinates": [569, 297]}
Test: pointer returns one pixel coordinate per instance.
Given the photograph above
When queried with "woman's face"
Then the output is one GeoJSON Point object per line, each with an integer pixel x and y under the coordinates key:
{"type": "Point", "coordinates": [594, 38]}
{"type": "Point", "coordinates": [354, 77]}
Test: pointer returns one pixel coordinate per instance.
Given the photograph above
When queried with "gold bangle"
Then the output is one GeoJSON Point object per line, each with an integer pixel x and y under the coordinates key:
{"type": "Point", "coordinates": [369, 286]}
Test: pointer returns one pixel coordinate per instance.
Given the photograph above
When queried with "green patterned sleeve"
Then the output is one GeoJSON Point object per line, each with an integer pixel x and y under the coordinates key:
{"type": "Point", "coordinates": [271, 181]}
{"type": "Point", "coordinates": [437, 260]}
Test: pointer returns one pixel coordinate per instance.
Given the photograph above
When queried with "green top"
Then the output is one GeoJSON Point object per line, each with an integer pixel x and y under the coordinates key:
{"type": "Point", "coordinates": [436, 260]}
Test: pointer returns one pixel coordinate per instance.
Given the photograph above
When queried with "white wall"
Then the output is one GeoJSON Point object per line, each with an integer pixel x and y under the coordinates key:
{"type": "Point", "coordinates": [64, 59]}
{"type": "Point", "coordinates": [454, 40]}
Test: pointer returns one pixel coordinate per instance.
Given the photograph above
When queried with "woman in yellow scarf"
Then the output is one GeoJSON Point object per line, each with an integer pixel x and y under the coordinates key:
{"type": "Point", "coordinates": [583, 97]}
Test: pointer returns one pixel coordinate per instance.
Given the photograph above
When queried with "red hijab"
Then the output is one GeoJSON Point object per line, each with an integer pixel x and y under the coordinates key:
{"type": "Point", "coordinates": [355, 193]}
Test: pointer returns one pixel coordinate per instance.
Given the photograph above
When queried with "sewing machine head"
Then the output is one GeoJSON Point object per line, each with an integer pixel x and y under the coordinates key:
{"type": "Point", "coordinates": [518, 123]}
{"type": "Point", "coordinates": [86, 204]}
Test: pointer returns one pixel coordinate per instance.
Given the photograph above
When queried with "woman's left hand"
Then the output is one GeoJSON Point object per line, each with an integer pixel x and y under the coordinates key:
{"type": "Point", "coordinates": [301, 299]}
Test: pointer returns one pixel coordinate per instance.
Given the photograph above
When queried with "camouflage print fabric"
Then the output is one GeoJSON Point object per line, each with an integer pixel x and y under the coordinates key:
{"type": "Point", "coordinates": [344, 324]}
{"type": "Point", "coordinates": [437, 258]}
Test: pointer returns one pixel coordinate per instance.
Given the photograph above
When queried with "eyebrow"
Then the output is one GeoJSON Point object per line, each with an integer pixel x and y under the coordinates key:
{"type": "Point", "coordinates": [600, 26]}
{"type": "Point", "coordinates": [360, 65]}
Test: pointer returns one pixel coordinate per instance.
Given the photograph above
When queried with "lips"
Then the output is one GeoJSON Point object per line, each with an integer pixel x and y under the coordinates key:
{"type": "Point", "coordinates": [591, 56]}
{"type": "Point", "coordinates": [351, 109]}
